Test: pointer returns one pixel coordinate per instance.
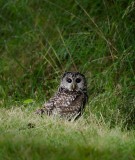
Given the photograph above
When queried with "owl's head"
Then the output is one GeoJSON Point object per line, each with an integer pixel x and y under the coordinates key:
{"type": "Point", "coordinates": [73, 81]}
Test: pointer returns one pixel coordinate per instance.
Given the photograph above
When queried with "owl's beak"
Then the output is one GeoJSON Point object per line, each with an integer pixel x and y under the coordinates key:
{"type": "Point", "coordinates": [73, 87]}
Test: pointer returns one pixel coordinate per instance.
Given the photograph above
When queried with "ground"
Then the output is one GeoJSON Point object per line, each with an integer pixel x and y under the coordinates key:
{"type": "Point", "coordinates": [51, 138]}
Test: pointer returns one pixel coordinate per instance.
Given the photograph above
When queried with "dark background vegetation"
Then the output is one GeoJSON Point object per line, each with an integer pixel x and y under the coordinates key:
{"type": "Point", "coordinates": [41, 39]}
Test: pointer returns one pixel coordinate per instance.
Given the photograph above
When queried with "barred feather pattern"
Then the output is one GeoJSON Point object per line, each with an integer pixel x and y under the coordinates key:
{"type": "Point", "coordinates": [67, 104]}
{"type": "Point", "coordinates": [70, 99]}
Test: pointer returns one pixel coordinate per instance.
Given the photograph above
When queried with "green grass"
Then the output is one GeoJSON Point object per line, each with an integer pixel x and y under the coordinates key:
{"type": "Point", "coordinates": [56, 139]}
{"type": "Point", "coordinates": [39, 40]}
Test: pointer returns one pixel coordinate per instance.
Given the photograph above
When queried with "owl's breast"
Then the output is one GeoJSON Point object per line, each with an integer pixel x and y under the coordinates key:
{"type": "Point", "coordinates": [68, 104]}
{"type": "Point", "coordinates": [65, 99]}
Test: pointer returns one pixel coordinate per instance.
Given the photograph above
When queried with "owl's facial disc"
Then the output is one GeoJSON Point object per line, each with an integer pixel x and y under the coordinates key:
{"type": "Point", "coordinates": [73, 81]}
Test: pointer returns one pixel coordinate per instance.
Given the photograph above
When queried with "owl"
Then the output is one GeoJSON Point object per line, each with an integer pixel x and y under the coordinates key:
{"type": "Point", "coordinates": [70, 99]}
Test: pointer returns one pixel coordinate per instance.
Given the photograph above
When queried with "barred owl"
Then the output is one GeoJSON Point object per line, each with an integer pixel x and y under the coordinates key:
{"type": "Point", "coordinates": [70, 99]}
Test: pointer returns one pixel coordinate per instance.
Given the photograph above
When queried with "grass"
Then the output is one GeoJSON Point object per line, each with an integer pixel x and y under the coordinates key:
{"type": "Point", "coordinates": [55, 139]}
{"type": "Point", "coordinates": [42, 39]}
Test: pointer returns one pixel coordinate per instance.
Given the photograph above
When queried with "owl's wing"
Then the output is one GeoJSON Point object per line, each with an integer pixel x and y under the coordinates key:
{"type": "Point", "coordinates": [58, 99]}
{"type": "Point", "coordinates": [47, 107]}
{"type": "Point", "coordinates": [64, 103]}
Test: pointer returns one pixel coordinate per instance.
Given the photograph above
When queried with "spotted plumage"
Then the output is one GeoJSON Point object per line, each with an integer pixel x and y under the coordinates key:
{"type": "Point", "coordinates": [70, 99]}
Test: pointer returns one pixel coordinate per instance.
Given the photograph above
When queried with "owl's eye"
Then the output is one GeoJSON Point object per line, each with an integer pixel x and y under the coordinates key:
{"type": "Point", "coordinates": [69, 80]}
{"type": "Point", "coordinates": [78, 80]}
